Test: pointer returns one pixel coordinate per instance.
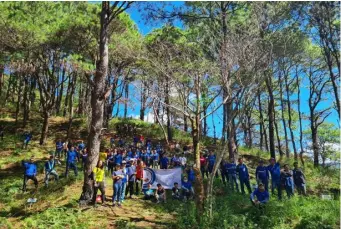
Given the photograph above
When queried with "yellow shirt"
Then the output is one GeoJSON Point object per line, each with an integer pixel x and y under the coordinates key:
{"type": "Point", "coordinates": [99, 174]}
{"type": "Point", "coordinates": [103, 157]}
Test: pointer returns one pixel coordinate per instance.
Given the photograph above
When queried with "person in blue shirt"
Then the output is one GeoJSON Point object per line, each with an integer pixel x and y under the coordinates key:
{"type": "Point", "coordinates": [27, 139]}
{"type": "Point", "coordinates": [81, 146]}
{"type": "Point", "coordinates": [262, 175]}
{"type": "Point", "coordinates": [112, 142]}
{"type": "Point", "coordinates": [260, 196]}
{"type": "Point", "coordinates": [158, 147]}
{"type": "Point", "coordinates": [243, 174]}
{"type": "Point", "coordinates": [59, 148]}
{"type": "Point", "coordinates": [84, 157]}
{"type": "Point", "coordinates": [191, 174]}
{"type": "Point", "coordinates": [210, 162]}
{"type": "Point", "coordinates": [111, 162]}
{"type": "Point", "coordinates": [120, 142]}
{"type": "Point", "coordinates": [136, 140]}
{"type": "Point", "coordinates": [130, 153]}
{"type": "Point", "coordinates": [30, 173]}
{"type": "Point", "coordinates": [118, 158]}
{"type": "Point", "coordinates": [287, 180]}
{"type": "Point", "coordinates": [71, 161]}
{"type": "Point", "coordinates": [50, 170]}
{"type": "Point", "coordinates": [187, 189]}
{"type": "Point", "coordinates": [148, 193]}
{"type": "Point", "coordinates": [149, 162]}
{"type": "Point", "coordinates": [124, 180]}
{"type": "Point", "coordinates": [231, 170]}
{"type": "Point", "coordinates": [131, 172]}
{"type": "Point", "coordinates": [148, 144]}
{"type": "Point", "coordinates": [117, 177]}
{"type": "Point", "coordinates": [164, 162]}
{"type": "Point", "coordinates": [275, 171]}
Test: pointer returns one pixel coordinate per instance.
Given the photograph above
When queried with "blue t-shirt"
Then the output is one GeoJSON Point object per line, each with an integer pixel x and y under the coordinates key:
{"type": "Point", "coordinates": [118, 159]}
{"type": "Point", "coordinates": [130, 154]}
{"type": "Point", "coordinates": [125, 172]}
{"type": "Point", "coordinates": [49, 165]}
{"type": "Point", "coordinates": [262, 197]}
{"type": "Point", "coordinates": [30, 168]}
{"type": "Point", "coordinates": [156, 156]}
{"type": "Point", "coordinates": [230, 168]}
{"type": "Point", "coordinates": [59, 145]}
{"type": "Point", "coordinates": [71, 156]}
{"type": "Point", "coordinates": [275, 171]}
{"type": "Point", "coordinates": [131, 173]}
{"type": "Point", "coordinates": [117, 173]}
{"type": "Point", "coordinates": [164, 162]}
{"type": "Point", "coordinates": [262, 173]}
{"type": "Point", "coordinates": [187, 185]}
{"type": "Point", "coordinates": [242, 172]}
{"type": "Point", "coordinates": [81, 146]}
{"type": "Point", "coordinates": [191, 175]}
{"type": "Point", "coordinates": [211, 160]}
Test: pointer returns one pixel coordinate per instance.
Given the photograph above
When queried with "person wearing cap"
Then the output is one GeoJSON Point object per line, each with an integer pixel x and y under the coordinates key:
{"type": "Point", "coordinates": [275, 171]}
{"type": "Point", "coordinates": [260, 196]}
{"type": "Point", "coordinates": [49, 169]}
{"type": "Point", "coordinates": [231, 170]}
{"type": "Point", "coordinates": [30, 173]}
{"type": "Point", "coordinates": [299, 180]}
{"type": "Point", "coordinates": [99, 181]}
{"type": "Point", "coordinates": [131, 172]}
{"type": "Point", "coordinates": [243, 174]}
{"type": "Point", "coordinates": [262, 175]}
{"type": "Point", "coordinates": [117, 177]}
{"type": "Point", "coordinates": [124, 179]}
{"type": "Point", "coordinates": [71, 161]}
{"type": "Point", "coordinates": [287, 180]}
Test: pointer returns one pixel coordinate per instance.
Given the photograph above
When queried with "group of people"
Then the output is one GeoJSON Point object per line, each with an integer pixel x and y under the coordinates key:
{"type": "Point", "coordinates": [125, 164]}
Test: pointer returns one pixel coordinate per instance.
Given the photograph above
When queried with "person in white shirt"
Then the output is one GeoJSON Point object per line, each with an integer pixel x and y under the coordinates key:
{"type": "Point", "coordinates": [183, 160]}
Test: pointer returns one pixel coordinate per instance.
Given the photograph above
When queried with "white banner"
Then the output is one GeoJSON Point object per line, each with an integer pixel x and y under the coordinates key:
{"type": "Point", "coordinates": [165, 177]}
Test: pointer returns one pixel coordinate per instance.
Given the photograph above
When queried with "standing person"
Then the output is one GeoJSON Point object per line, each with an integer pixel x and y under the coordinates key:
{"type": "Point", "coordinates": [30, 173]}
{"type": "Point", "coordinates": [275, 171]}
{"type": "Point", "coordinates": [118, 158]}
{"type": "Point", "coordinates": [71, 161]}
{"type": "Point", "coordinates": [164, 162]}
{"type": "Point", "coordinates": [131, 172]}
{"type": "Point", "coordinates": [287, 180]}
{"type": "Point", "coordinates": [260, 196]}
{"type": "Point", "coordinates": [139, 176]}
{"type": "Point", "coordinates": [183, 161]}
{"type": "Point", "coordinates": [299, 180]}
{"type": "Point", "coordinates": [99, 181]}
{"type": "Point", "coordinates": [243, 174]}
{"type": "Point", "coordinates": [124, 179]}
{"type": "Point", "coordinates": [49, 169]}
{"type": "Point", "coordinates": [84, 157]}
{"type": "Point", "coordinates": [112, 142]}
{"type": "Point", "coordinates": [156, 158]}
{"type": "Point", "coordinates": [111, 162]}
{"type": "Point", "coordinates": [262, 175]}
{"type": "Point", "coordinates": [27, 139]}
{"type": "Point", "coordinates": [160, 194]}
{"type": "Point", "coordinates": [191, 174]}
{"type": "Point", "coordinates": [203, 165]}
{"type": "Point", "coordinates": [117, 177]}
{"type": "Point", "coordinates": [231, 170]}
{"type": "Point", "coordinates": [223, 172]}
{"type": "Point", "coordinates": [59, 148]}
{"type": "Point", "coordinates": [211, 161]}
{"type": "Point", "coordinates": [81, 146]}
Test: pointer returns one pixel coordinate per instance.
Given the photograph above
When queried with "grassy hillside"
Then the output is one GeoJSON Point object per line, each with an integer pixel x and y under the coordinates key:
{"type": "Point", "coordinates": [57, 205]}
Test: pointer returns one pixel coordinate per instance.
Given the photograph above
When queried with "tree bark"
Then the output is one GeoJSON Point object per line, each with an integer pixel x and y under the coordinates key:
{"type": "Point", "coordinates": [19, 99]}
{"type": "Point", "coordinates": [287, 151]}
{"type": "Point", "coordinates": [126, 96]}
{"type": "Point", "coordinates": [299, 117]}
{"type": "Point", "coordinates": [60, 93]}
{"type": "Point", "coordinates": [271, 117]}
{"type": "Point", "coordinates": [44, 131]}
{"type": "Point", "coordinates": [66, 101]}
{"type": "Point", "coordinates": [73, 87]}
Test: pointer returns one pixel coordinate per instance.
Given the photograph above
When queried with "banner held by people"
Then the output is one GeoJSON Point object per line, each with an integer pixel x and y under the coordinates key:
{"type": "Point", "coordinates": [165, 177]}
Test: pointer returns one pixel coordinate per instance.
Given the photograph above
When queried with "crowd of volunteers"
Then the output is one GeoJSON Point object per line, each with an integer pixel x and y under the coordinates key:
{"type": "Point", "coordinates": [124, 163]}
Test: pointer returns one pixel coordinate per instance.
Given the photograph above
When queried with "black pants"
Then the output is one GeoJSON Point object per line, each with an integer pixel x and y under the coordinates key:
{"type": "Point", "coordinates": [102, 189]}
{"type": "Point", "coordinates": [138, 183]}
{"type": "Point", "coordinates": [28, 177]}
{"type": "Point", "coordinates": [224, 177]}
{"type": "Point", "coordinates": [130, 188]}
{"type": "Point", "coordinates": [203, 171]}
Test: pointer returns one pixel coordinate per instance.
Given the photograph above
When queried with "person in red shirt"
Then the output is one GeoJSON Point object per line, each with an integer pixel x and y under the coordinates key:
{"type": "Point", "coordinates": [139, 176]}
{"type": "Point", "coordinates": [203, 165]}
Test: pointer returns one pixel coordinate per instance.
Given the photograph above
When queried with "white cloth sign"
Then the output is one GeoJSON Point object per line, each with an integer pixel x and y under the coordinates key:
{"type": "Point", "coordinates": [165, 177]}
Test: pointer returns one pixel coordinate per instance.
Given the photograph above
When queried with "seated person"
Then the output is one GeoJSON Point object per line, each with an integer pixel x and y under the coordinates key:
{"type": "Point", "coordinates": [160, 194]}
{"type": "Point", "coordinates": [187, 189]}
{"type": "Point", "coordinates": [260, 196]}
{"type": "Point", "coordinates": [148, 193]}
{"type": "Point", "coordinates": [176, 191]}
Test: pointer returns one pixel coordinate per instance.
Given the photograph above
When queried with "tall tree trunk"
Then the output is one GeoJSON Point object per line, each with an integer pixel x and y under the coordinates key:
{"type": "Point", "coordinates": [126, 96]}
{"type": "Point", "coordinates": [60, 93]}
{"type": "Point", "coordinates": [97, 103]}
{"type": "Point", "coordinates": [287, 151]}
{"type": "Point", "coordinates": [44, 131]}
{"type": "Point", "coordinates": [289, 114]}
{"type": "Point", "coordinates": [278, 138]}
{"type": "Point", "coordinates": [271, 111]}
{"type": "Point", "coordinates": [169, 130]}
{"type": "Point", "coordinates": [66, 102]}
{"type": "Point", "coordinates": [10, 83]}
{"type": "Point", "coordinates": [81, 97]}
{"type": "Point", "coordinates": [19, 99]}
{"type": "Point", "coordinates": [26, 101]}
{"type": "Point", "coordinates": [299, 117]}
{"type": "Point", "coordinates": [2, 78]}
{"type": "Point", "coordinates": [315, 142]}
{"type": "Point", "coordinates": [73, 87]}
